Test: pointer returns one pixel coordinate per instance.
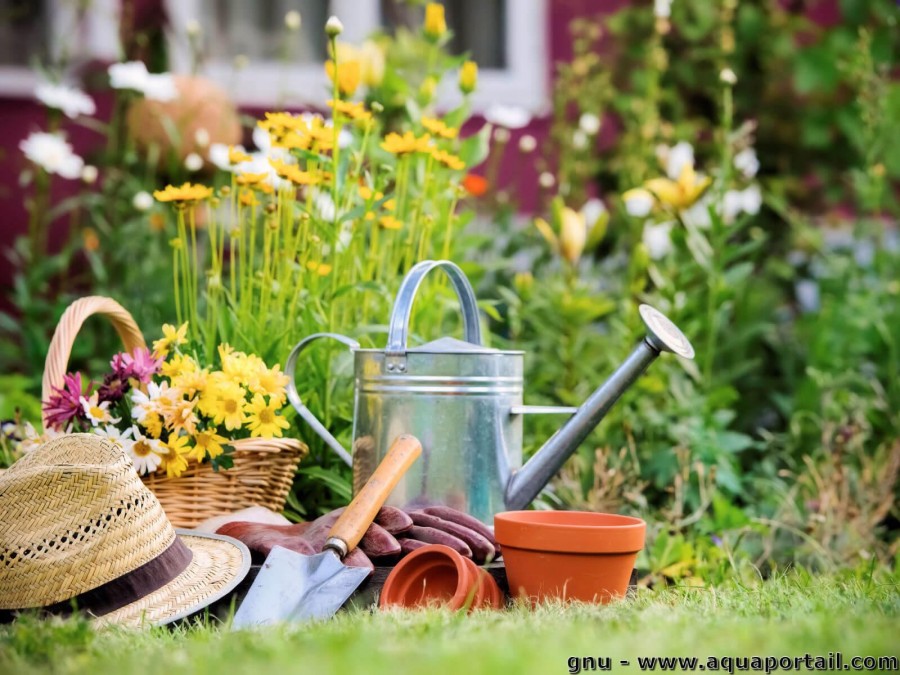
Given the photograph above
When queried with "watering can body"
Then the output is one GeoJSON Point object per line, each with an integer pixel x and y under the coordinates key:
{"type": "Point", "coordinates": [464, 402]}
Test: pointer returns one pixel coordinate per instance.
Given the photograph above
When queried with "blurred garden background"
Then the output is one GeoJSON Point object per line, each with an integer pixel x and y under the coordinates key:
{"type": "Point", "coordinates": [733, 163]}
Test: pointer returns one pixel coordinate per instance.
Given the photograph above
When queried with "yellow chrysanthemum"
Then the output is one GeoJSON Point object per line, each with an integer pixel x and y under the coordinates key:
{"type": "Point", "coordinates": [250, 178]}
{"type": "Point", "coordinates": [407, 143]}
{"type": "Point", "coordinates": [390, 223]}
{"type": "Point", "coordinates": [294, 173]}
{"type": "Point", "coordinates": [207, 441]}
{"type": "Point", "coordinates": [448, 160]}
{"type": "Point", "coordinates": [439, 128]}
{"type": "Point", "coordinates": [191, 382]}
{"type": "Point", "coordinates": [348, 75]}
{"type": "Point", "coordinates": [177, 364]}
{"type": "Point", "coordinates": [153, 423]}
{"type": "Point", "coordinates": [263, 418]}
{"type": "Point", "coordinates": [179, 451]}
{"type": "Point", "coordinates": [236, 156]}
{"type": "Point", "coordinates": [188, 192]}
{"type": "Point", "coordinates": [682, 193]}
{"type": "Point", "coordinates": [356, 111]}
{"type": "Point", "coordinates": [271, 383]}
{"type": "Point", "coordinates": [224, 400]}
{"type": "Point", "coordinates": [171, 337]}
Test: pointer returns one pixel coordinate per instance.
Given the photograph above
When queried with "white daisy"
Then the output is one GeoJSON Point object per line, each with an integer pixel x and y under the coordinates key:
{"type": "Point", "coordinates": [149, 403]}
{"type": "Point", "coordinates": [678, 157]}
{"type": "Point", "coordinates": [116, 435]}
{"type": "Point", "coordinates": [53, 154]}
{"type": "Point", "coordinates": [72, 101]}
{"type": "Point", "coordinates": [511, 117]}
{"type": "Point", "coordinates": [747, 162]}
{"type": "Point", "coordinates": [657, 239]}
{"type": "Point", "coordinates": [146, 452]}
{"type": "Point", "coordinates": [97, 412]}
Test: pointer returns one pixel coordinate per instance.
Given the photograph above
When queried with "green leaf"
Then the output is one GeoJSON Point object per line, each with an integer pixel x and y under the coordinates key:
{"type": "Point", "coordinates": [474, 149]}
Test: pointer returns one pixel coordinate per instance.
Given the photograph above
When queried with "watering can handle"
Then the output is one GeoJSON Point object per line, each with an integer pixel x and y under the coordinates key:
{"type": "Point", "coordinates": [398, 331]}
{"type": "Point", "coordinates": [294, 397]}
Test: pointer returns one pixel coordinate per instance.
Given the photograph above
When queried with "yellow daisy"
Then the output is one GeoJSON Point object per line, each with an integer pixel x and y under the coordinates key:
{"type": "Point", "coordinates": [407, 143]}
{"type": "Point", "coordinates": [263, 419]}
{"type": "Point", "coordinates": [448, 160]}
{"type": "Point", "coordinates": [176, 460]}
{"type": "Point", "coordinates": [224, 402]}
{"type": "Point", "coordinates": [207, 441]}
{"type": "Point", "coordinates": [439, 128]}
{"type": "Point", "coordinates": [188, 192]}
{"type": "Point", "coordinates": [171, 337]}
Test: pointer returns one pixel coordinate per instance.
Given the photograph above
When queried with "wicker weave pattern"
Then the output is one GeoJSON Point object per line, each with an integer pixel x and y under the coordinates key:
{"type": "Point", "coordinates": [263, 470]}
{"type": "Point", "coordinates": [77, 517]}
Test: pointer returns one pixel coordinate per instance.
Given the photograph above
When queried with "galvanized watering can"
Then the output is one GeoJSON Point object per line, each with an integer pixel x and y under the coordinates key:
{"type": "Point", "coordinates": [463, 401]}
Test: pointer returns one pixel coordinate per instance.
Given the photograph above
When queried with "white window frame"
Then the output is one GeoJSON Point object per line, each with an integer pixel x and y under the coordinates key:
{"type": "Point", "coordinates": [98, 38]}
{"type": "Point", "coordinates": [267, 84]}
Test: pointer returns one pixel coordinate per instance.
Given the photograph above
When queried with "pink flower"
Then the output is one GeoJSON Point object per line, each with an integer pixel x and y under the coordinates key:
{"type": "Point", "coordinates": [64, 404]}
{"type": "Point", "coordinates": [139, 365]}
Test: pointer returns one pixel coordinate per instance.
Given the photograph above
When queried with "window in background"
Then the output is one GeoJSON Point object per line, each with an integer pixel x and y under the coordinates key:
{"type": "Point", "coordinates": [284, 68]}
{"type": "Point", "coordinates": [23, 32]}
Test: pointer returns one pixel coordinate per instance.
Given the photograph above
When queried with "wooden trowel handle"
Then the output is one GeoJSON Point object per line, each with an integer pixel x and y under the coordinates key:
{"type": "Point", "coordinates": [355, 520]}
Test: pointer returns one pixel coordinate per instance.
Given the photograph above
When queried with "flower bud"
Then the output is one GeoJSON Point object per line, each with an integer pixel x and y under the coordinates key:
{"type": "Point", "coordinates": [142, 201]}
{"type": "Point", "coordinates": [293, 20]}
{"type": "Point", "coordinates": [435, 23]}
{"type": "Point", "coordinates": [546, 180]}
{"type": "Point", "coordinates": [728, 77]}
{"type": "Point", "coordinates": [527, 144]}
{"type": "Point", "coordinates": [468, 77]}
{"type": "Point", "coordinates": [333, 27]}
{"type": "Point", "coordinates": [89, 174]}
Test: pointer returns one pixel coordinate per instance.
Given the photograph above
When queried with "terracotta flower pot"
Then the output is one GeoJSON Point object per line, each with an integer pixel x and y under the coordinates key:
{"type": "Point", "coordinates": [571, 555]}
{"type": "Point", "coordinates": [438, 575]}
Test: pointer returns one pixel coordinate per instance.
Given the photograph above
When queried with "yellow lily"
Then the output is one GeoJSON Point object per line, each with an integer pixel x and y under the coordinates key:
{"type": "Point", "coordinates": [682, 193]}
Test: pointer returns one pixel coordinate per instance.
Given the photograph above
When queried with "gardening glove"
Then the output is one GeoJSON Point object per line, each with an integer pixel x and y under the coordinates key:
{"type": "Point", "coordinates": [444, 525]}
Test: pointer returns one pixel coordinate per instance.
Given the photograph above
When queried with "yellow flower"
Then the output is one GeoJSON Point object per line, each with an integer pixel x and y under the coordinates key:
{"type": "Point", "coordinates": [468, 77]}
{"type": "Point", "coordinates": [251, 178]}
{"type": "Point", "coordinates": [176, 460]}
{"type": "Point", "coordinates": [435, 23]}
{"type": "Point", "coordinates": [390, 204]}
{"type": "Point", "coordinates": [171, 337]}
{"type": "Point", "coordinates": [449, 160]}
{"type": "Point", "coordinates": [348, 75]}
{"type": "Point", "coordinates": [178, 364]}
{"type": "Point", "coordinates": [407, 143]}
{"type": "Point", "coordinates": [366, 193]}
{"type": "Point", "coordinates": [322, 269]}
{"type": "Point", "coordinates": [153, 423]}
{"type": "Point", "coordinates": [236, 156]}
{"type": "Point", "coordinates": [294, 173]}
{"type": "Point", "coordinates": [390, 223]}
{"type": "Point", "coordinates": [682, 193]}
{"type": "Point", "coordinates": [356, 111]}
{"type": "Point", "coordinates": [247, 198]}
{"type": "Point", "coordinates": [191, 382]}
{"type": "Point", "coordinates": [207, 442]}
{"type": "Point", "coordinates": [188, 192]}
{"type": "Point", "coordinates": [439, 128]}
{"type": "Point", "coordinates": [263, 420]}
{"type": "Point", "coordinates": [573, 235]}
{"type": "Point", "coordinates": [223, 400]}
{"type": "Point", "coordinates": [271, 383]}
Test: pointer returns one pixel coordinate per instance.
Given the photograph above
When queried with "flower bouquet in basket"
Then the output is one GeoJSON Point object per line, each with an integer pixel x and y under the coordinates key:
{"type": "Point", "coordinates": [168, 411]}
{"type": "Point", "coordinates": [181, 417]}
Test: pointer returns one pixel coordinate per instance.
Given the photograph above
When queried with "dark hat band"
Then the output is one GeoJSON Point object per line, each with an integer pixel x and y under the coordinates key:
{"type": "Point", "coordinates": [122, 591]}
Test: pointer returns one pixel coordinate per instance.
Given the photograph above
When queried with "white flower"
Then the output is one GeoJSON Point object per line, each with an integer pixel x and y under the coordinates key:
{"type": "Point", "coordinates": [662, 8]}
{"type": "Point", "coordinates": [193, 162]}
{"type": "Point", "coordinates": [751, 199]}
{"type": "Point", "coordinates": [807, 293]}
{"type": "Point", "coordinates": [333, 27]}
{"type": "Point", "coordinates": [589, 123]}
{"type": "Point", "coordinates": [345, 236]}
{"type": "Point", "coordinates": [698, 214]}
{"type": "Point", "coordinates": [579, 139]}
{"type": "Point", "coordinates": [96, 412]}
{"type": "Point", "coordinates": [728, 77]}
{"type": "Point", "coordinates": [527, 143]}
{"type": "Point", "coordinates": [193, 28]}
{"type": "Point", "coordinates": [501, 135]}
{"type": "Point", "coordinates": [160, 87]}
{"type": "Point", "coordinates": [511, 117]}
{"type": "Point", "coordinates": [133, 75]}
{"type": "Point", "coordinates": [72, 101]}
{"type": "Point", "coordinates": [746, 162]}
{"type": "Point", "coordinates": [201, 137]}
{"type": "Point", "coordinates": [657, 239]}
{"type": "Point", "coordinates": [33, 440]}
{"type": "Point", "coordinates": [89, 174]}
{"type": "Point", "coordinates": [142, 201]}
{"type": "Point", "coordinates": [128, 75]}
{"type": "Point", "coordinates": [146, 452]}
{"type": "Point", "coordinates": [218, 155]}
{"type": "Point", "coordinates": [546, 180]}
{"type": "Point", "coordinates": [592, 210]}
{"type": "Point", "coordinates": [116, 435]}
{"type": "Point", "coordinates": [292, 20]}
{"type": "Point", "coordinates": [323, 205]}
{"type": "Point", "coordinates": [144, 404]}
{"type": "Point", "coordinates": [638, 202]}
{"type": "Point", "coordinates": [53, 154]}
{"type": "Point", "coordinates": [678, 157]}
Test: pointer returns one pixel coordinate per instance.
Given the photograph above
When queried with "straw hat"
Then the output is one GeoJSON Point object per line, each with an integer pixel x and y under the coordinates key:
{"type": "Point", "coordinates": [76, 522]}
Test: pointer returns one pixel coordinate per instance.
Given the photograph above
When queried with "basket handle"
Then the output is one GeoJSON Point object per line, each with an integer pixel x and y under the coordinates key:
{"type": "Point", "coordinates": [70, 323]}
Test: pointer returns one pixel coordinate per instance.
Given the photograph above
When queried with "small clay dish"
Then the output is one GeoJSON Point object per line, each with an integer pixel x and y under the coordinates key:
{"type": "Point", "coordinates": [569, 555]}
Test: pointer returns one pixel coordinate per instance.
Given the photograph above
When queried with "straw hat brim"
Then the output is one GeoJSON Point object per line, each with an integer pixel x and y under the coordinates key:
{"type": "Point", "coordinates": [217, 566]}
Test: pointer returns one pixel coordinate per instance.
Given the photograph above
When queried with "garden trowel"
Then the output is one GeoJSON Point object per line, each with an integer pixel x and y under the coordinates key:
{"type": "Point", "coordinates": [295, 587]}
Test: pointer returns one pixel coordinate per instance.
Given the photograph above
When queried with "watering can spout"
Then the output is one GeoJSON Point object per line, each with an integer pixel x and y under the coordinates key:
{"type": "Point", "coordinates": [662, 335]}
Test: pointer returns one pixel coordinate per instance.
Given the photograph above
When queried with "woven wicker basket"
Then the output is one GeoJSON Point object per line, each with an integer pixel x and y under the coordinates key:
{"type": "Point", "coordinates": [263, 468]}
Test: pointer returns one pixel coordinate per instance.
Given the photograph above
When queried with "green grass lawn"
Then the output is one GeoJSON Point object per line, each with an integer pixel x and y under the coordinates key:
{"type": "Point", "coordinates": [792, 615]}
